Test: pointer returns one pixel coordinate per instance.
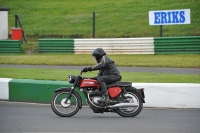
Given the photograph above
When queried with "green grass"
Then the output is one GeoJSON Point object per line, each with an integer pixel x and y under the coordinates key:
{"type": "Point", "coordinates": [171, 61]}
{"type": "Point", "coordinates": [175, 61]}
{"type": "Point", "coordinates": [114, 18]}
{"type": "Point", "coordinates": [62, 75]}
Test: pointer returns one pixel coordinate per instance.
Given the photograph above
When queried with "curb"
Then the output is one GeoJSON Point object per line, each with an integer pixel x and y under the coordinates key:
{"type": "Point", "coordinates": [162, 95]}
{"type": "Point", "coordinates": [171, 95]}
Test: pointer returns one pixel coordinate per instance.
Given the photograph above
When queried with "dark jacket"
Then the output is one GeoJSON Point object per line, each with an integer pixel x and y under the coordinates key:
{"type": "Point", "coordinates": [106, 66]}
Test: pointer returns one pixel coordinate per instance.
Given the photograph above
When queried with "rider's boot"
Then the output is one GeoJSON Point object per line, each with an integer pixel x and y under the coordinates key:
{"type": "Point", "coordinates": [105, 97]}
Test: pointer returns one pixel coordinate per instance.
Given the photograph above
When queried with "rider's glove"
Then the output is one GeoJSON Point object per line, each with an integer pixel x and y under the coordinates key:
{"type": "Point", "coordinates": [87, 69]}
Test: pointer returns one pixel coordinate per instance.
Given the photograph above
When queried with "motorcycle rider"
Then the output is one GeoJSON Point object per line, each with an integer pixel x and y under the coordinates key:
{"type": "Point", "coordinates": [108, 72]}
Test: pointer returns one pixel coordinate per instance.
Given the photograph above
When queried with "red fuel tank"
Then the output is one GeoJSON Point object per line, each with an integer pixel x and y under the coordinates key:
{"type": "Point", "coordinates": [89, 83]}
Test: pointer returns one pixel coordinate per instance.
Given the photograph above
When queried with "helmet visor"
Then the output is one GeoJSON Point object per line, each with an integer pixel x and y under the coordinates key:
{"type": "Point", "coordinates": [94, 58]}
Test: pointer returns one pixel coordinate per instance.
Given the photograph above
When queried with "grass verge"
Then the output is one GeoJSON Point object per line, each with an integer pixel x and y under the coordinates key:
{"type": "Point", "coordinates": [170, 61]}
{"type": "Point", "coordinates": [114, 18]}
{"type": "Point", "coordinates": [62, 75]}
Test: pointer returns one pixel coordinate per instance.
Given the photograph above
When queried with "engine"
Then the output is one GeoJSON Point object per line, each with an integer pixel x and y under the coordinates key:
{"type": "Point", "coordinates": [94, 96]}
{"type": "Point", "coordinates": [95, 100]}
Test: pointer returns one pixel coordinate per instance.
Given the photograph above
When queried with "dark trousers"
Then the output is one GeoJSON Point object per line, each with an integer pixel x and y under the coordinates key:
{"type": "Point", "coordinates": [107, 79]}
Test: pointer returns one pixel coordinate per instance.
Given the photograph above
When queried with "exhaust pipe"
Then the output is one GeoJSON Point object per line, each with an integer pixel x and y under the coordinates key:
{"type": "Point", "coordinates": [123, 105]}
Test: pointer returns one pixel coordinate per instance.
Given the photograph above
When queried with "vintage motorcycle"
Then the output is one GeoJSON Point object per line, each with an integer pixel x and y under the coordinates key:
{"type": "Point", "coordinates": [125, 100]}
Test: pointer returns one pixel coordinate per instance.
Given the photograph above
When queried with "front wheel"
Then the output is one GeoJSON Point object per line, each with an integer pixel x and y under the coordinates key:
{"type": "Point", "coordinates": [131, 97]}
{"type": "Point", "coordinates": [63, 108]}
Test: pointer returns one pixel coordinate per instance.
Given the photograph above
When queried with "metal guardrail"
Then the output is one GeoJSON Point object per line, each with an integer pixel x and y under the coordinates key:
{"type": "Point", "coordinates": [177, 45]}
{"type": "Point", "coordinates": [115, 45]}
{"type": "Point", "coordinates": [56, 45]}
{"type": "Point", "coordinates": [10, 46]}
{"type": "Point", "coordinates": [158, 45]}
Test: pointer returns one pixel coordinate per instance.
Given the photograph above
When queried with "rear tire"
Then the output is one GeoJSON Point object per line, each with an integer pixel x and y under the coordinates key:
{"type": "Point", "coordinates": [133, 97]}
{"type": "Point", "coordinates": [63, 109]}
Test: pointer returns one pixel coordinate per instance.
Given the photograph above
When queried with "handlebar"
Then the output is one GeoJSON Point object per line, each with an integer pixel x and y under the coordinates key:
{"type": "Point", "coordinates": [81, 73]}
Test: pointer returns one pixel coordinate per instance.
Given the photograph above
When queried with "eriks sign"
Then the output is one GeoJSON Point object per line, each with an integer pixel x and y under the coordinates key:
{"type": "Point", "coordinates": [169, 17]}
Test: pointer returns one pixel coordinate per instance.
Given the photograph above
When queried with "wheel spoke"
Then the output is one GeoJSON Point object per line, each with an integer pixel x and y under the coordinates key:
{"type": "Point", "coordinates": [131, 98]}
{"type": "Point", "coordinates": [61, 106]}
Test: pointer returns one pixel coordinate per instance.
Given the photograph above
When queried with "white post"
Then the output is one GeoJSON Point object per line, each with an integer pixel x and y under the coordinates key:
{"type": "Point", "coordinates": [4, 22]}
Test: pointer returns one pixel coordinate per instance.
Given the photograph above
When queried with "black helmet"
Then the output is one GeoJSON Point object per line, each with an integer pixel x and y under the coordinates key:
{"type": "Point", "coordinates": [98, 53]}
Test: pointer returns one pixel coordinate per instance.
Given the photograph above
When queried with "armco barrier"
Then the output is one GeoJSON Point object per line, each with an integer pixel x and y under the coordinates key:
{"type": "Point", "coordinates": [56, 45]}
{"type": "Point", "coordinates": [10, 46]}
{"type": "Point", "coordinates": [177, 45]}
{"type": "Point", "coordinates": [115, 45]}
{"type": "Point", "coordinates": [158, 45]}
{"type": "Point", "coordinates": [164, 95]}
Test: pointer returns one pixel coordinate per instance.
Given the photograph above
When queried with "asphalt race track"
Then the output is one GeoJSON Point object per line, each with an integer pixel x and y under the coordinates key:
{"type": "Point", "coordinates": [26, 117]}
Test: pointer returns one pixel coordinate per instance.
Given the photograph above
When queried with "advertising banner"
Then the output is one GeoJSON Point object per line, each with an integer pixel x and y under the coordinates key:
{"type": "Point", "coordinates": [169, 17]}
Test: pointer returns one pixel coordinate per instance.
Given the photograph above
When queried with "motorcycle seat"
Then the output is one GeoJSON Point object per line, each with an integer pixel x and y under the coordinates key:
{"type": "Point", "coordinates": [122, 84]}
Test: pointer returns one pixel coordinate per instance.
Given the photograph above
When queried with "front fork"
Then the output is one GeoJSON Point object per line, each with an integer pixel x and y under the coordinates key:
{"type": "Point", "coordinates": [72, 88]}
{"type": "Point", "coordinates": [69, 96]}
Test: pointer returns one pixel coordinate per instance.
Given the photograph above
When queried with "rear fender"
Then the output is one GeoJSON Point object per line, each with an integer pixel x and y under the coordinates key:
{"type": "Point", "coordinates": [140, 92]}
{"type": "Point", "coordinates": [68, 90]}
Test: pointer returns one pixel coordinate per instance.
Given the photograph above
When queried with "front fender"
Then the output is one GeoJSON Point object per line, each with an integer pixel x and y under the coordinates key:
{"type": "Point", "coordinates": [74, 91]}
{"type": "Point", "coordinates": [62, 89]}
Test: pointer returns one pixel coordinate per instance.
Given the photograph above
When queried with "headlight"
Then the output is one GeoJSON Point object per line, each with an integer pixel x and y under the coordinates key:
{"type": "Point", "coordinates": [71, 79]}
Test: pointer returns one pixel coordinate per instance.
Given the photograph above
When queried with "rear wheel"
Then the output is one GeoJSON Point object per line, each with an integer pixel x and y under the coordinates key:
{"type": "Point", "coordinates": [131, 97]}
{"type": "Point", "coordinates": [63, 108]}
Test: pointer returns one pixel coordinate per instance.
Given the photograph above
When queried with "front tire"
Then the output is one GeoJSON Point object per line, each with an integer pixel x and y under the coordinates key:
{"type": "Point", "coordinates": [131, 97]}
{"type": "Point", "coordinates": [63, 109]}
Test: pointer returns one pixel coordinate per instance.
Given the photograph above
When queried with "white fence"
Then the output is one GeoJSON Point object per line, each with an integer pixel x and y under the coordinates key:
{"type": "Point", "coordinates": [115, 45]}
